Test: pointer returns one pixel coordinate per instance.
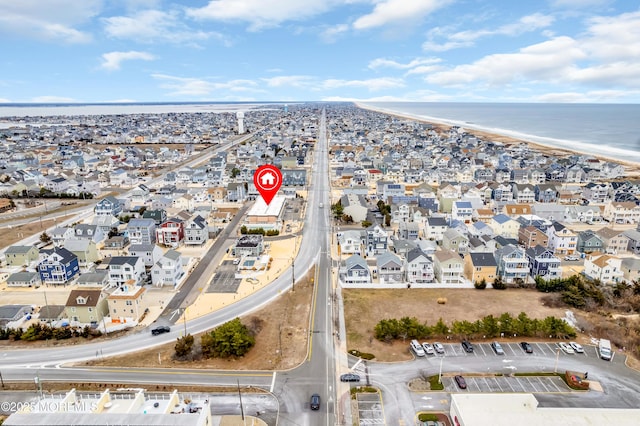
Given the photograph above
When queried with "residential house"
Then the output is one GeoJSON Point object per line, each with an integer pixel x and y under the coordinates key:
{"type": "Point", "coordinates": [86, 306]}
{"type": "Point", "coordinates": [58, 266]}
{"type": "Point", "coordinates": [23, 279]}
{"type": "Point", "coordinates": [603, 267]}
{"type": "Point", "coordinates": [108, 206]}
{"type": "Point", "coordinates": [85, 250]}
{"type": "Point", "coordinates": [503, 225]}
{"type": "Point", "coordinates": [142, 231]}
{"type": "Point", "coordinates": [622, 212]}
{"type": "Point", "coordinates": [117, 242]}
{"type": "Point", "coordinates": [376, 240]}
{"type": "Point", "coordinates": [149, 253]}
{"type": "Point", "coordinates": [170, 233]}
{"type": "Point", "coordinates": [582, 214]}
{"type": "Point", "coordinates": [60, 234]}
{"type": "Point", "coordinates": [448, 267]}
{"type": "Point", "coordinates": [196, 231]}
{"type": "Point", "coordinates": [248, 245]}
{"type": "Point", "coordinates": [613, 241]}
{"type": "Point", "coordinates": [355, 270]}
{"type": "Point", "coordinates": [419, 267]}
{"type": "Point", "coordinates": [634, 240]}
{"type": "Point", "coordinates": [546, 193]}
{"type": "Point", "coordinates": [125, 269]}
{"type": "Point", "coordinates": [355, 206]}
{"type": "Point", "coordinates": [530, 236]}
{"type": "Point", "coordinates": [480, 266]}
{"type": "Point", "coordinates": [89, 232]}
{"type": "Point", "coordinates": [390, 268]}
{"type": "Point", "coordinates": [452, 239]}
{"type": "Point", "coordinates": [523, 193]}
{"type": "Point", "coordinates": [236, 192]}
{"type": "Point", "coordinates": [168, 270]}
{"type": "Point", "coordinates": [543, 263]}
{"type": "Point", "coordinates": [159, 215]}
{"type": "Point", "coordinates": [125, 304]}
{"type": "Point", "coordinates": [596, 192]}
{"type": "Point", "coordinates": [435, 228]}
{"type": "Point", "coordinates": [409, 230]}
{"type": "Point", "coordinates": [562, 240]}
{"type": "Point", "coordinates": [94, 279]}
{"type": "Point", "coordinates": [350, 242]}
{"type": "Point", "coordinates": [513, 264]}
{"type": "Point", "coordinates": [589, 242]}
{"type": "Point", "coordinates": [106, 223]}
{"type": "Point", "coordinates": [516, 210]}
{"type": "Point", "coordinates": [462, 211]}
{"type": "Point", "coordinates": [17, 255]}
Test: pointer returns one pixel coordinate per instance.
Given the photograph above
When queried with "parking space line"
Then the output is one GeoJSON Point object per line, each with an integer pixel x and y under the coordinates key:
{"type": "Point", "coordinates": [495, 379]}
{"type": "Point", "coordinates": [555, 385]}
{"type": "Point", "coordinates": [544, 384]}
{"type": "Point", "coordinates": [473, 381]}
{"type": "Point", "coordinates": [540, 348]}
{"type": "Point", "coordinates": [516, 381]}
{"type": "Point", "coordinates": [483, 351]}
{"type": "Point", "coordinates": [513, 350]}
{"type": "Point", "coordinates": [532, 384]}
{"type": "Point", "coordinates": [506, 379]}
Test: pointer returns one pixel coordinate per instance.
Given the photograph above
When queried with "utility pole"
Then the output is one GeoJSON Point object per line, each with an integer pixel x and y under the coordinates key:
{"type": "Point", "coordinates": [1, 380]}
{"type": "Point", "coordinates": [293, 275]}
{"type": "Point", "coordinates": [240, 396]}
{"type": "Point", "coordinates": [184, 317]}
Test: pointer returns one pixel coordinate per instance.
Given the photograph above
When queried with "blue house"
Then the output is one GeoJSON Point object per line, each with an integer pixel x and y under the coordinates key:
{"type": "Point", "coordinates": [58, 267]}
{"type": "Point", "coordinates": [108, 206]}
{"type": "Point", "coordinates": [543, 263]}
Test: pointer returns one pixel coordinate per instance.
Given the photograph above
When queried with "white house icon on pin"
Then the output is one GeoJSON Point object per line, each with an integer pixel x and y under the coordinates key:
{"type": "Point", "coordinates": [268, 179]}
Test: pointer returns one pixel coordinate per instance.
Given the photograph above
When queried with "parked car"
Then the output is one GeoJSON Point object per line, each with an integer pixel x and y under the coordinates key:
{"type": "Point", "coordinates": [438, 347]}
{"type": "Point", "coordinates": [526, 347]}
{"type": "Point", "coordinates": [315, 402]}
{"type": "Point", "coordinates": [497, 348]}
{"type": "Point", "coordinates": [349, 377]}
{"type": "Point", "coordinates": [566, 348]}
{"type": "Point", "coordinates": [467, 346]}
{"type": "Point", "coordinates": [428, 348]}
{"type": "Point", "coordinates": [571, 258]}
{"type": "Point", "coordinates": [577, 347]}
{"type": "Point", "coordinates": [161, 329]}
{"type": "Point", "coordinates": [462, 384]}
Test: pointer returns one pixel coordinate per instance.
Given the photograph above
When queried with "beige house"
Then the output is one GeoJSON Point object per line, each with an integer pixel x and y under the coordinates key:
{"type": "Point", "coordinates": [86, 306]}
{"type": "Point", "coordinates": [480, 266]}
{"type": "Point", "coordinates": [20, 255]}
{"type": "Point", "coordinates": [125, 304]}
{"type": "Point", "coordinates": [85, 249]}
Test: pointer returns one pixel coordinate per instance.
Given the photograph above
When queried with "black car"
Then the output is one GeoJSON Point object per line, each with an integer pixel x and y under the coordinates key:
{"type": "Point", "coordinates": [467, 346]}
{"type": "Point", "coordinates": [161, 329]}
{"type": "Point", "coordinates": [462, 384]}
{"type": "Point", "coordinates": [315, 401]}
{"type": "Point", "coordinates": [526, 347]}
{"type": "Point", "coordinates": [349, 377]}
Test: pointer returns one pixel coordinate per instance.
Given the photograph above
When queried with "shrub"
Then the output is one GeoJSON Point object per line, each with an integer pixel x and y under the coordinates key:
{"type": "Point", "coordinates": [481, 285]}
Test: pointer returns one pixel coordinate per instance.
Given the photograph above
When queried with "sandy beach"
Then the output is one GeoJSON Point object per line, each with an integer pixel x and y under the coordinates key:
{"type": "Point", "coordinates": [632, 169]}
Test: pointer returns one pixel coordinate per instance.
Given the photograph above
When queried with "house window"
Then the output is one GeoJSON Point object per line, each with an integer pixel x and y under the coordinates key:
{"type": "Point", "coordinates": [90, 309]}
{"type": "Point", "coordinates": [129, 303]}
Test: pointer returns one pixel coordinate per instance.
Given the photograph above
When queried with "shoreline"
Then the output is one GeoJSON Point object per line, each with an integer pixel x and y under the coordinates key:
{"type": "Point", "coordinates": [631, 167]}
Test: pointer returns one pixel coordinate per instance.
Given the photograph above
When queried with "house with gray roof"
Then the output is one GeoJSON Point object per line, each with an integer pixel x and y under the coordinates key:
{"type": "Point", "coordinates": [419, 267]}
{"type": "Point", "coordinates": [168, 270]}
{"type": "Point", "coordinates": [24, 279]}
{"type": "Point", "coordinates": [354, 270]}
{"type": "Point", "coordinates": [196, 231]}
{"type": "Point", "coordinates": [390, 268]}
{"type": "Point", "coordinates": [95, 278]}
{"type": "Point", "coordinates": [142, 231]}
{"type": "Point", "coordinates": [18, 255]}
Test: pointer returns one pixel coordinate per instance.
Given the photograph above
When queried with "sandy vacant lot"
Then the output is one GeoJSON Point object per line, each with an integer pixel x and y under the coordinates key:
{"type": "Point", "coordinates": [365, 308]}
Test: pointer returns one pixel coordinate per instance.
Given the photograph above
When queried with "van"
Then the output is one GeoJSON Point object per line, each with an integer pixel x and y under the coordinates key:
{"type": "Point", "coordinates": [315, 402]}
{"type": "Point", "coordinates": [417, 348]}
{"type": "Point", "coordinates": [604, 348]}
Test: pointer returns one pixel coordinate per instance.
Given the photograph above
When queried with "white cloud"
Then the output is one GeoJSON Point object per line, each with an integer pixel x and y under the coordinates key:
{"type": "Point", "coordinates": [190, 86]}
{"type": "Point", "coordinates": [372, 84]}
{"type": "Point", "coordinates": [150, 26]}
{"type": "Point", "coordinates": [398, 12]}
{"type": "Point", "coordinates": [298, 81]}
{"type": "Point", "coordinates": [583, 97]}
{"type": "Point", "coordinates": [52, 100]}
{"type": "Point", "coordinates": [578, 4]}
{"type": "Point", "coordinates": [389, 63]}
{"type": "Point", "coordinates": [4, 101]}
{"type": "Point", "coordinates": [262, 14]}
{"type": "Point", "coordinates": [50, 20]}
{"type": "Point", "coordinates": [332, 33]}
{"type": "Point", "coordinates": [467, 38]}
{"type": "Point", "coordinates": [113, 60]}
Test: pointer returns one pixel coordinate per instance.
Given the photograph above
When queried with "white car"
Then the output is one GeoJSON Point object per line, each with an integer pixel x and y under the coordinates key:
{"type": "Point", "coordinates": [428, 348]}
{"type": "Point", "coordinates": [571, 258]}
{"type": "Point", "coordinates": [438, 347]}
{"type": "Point", "coordinates": [566, 348]}
{"type": "Point", "coordinates": [577, 347]}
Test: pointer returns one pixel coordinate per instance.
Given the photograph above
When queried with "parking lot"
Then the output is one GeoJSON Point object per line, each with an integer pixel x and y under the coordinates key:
{"type": "Point", "coordinates": [496, 384]}
{"type": "Point", "coordinates": [224, 280]}
{"type": "Point", "coordinates": [549, 349]}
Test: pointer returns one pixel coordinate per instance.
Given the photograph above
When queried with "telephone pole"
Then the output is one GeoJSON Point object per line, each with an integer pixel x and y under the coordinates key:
{"type": "Point", "coordinates": [293, 275]}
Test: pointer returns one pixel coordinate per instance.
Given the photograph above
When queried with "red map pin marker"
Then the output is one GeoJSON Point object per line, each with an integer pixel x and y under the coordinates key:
{"type": "Point", "coordinates": [267, 180]}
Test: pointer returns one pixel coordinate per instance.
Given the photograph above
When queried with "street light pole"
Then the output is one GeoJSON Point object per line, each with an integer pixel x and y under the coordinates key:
{"type": "Point", "coordinates": [440, 373]}
{"type": "Point", "coordinates": [555, 370]}
{"type": "Point", "coordinates": [293, 275]}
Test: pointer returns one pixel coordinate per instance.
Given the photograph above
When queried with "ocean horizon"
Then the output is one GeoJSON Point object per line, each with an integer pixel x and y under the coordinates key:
{"type": "Point", "coordinates": [607, 130]}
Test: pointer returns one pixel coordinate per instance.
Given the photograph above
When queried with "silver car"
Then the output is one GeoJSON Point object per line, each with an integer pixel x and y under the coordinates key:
{"type": "Point", "coordinates": [428, 348]}
{"type": "Point", "coordinates": [438, 347]}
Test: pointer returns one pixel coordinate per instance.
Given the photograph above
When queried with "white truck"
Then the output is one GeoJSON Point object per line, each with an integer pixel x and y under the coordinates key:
{"type": "Point", "coordinates": [604, 348]}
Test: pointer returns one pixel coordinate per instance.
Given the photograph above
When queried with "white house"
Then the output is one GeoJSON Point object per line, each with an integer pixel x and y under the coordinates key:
{"type": "Point", "coordinates": [168, 270]}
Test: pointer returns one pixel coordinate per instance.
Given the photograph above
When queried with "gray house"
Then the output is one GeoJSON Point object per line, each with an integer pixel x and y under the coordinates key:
{"type": "Point", "coordinates": [142, 231]}
{"type": "Point", "coordinates": [355, 270]}
{"type": "Point", "coordinates": [390, 268]}
{"type": "Point", "coordinates": [196, 231]}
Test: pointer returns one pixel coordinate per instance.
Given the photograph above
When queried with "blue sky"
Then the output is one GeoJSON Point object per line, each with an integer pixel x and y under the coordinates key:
{"type": "Point", "coordinates": [308, 50]}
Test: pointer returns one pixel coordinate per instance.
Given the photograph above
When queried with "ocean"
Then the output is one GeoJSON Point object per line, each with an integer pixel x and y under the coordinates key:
{"type": "Point", "coordinates": [609, 130]}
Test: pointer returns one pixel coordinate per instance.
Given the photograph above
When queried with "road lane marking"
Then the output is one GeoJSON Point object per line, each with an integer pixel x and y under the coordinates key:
{"type": "Point", "coordinates": [273, 382]}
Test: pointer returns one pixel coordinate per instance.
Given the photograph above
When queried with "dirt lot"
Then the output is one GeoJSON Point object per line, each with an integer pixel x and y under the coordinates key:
{"type": "Point", "coordinates": [284, 324]}
{"type": "Point", "coordinates": [365, 308]}
{"type": "Point", "coordinates": [10, 236]}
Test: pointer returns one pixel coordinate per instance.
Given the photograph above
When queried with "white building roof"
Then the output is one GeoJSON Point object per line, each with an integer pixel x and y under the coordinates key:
{"type": "Point", "coordinates": [260, 208]}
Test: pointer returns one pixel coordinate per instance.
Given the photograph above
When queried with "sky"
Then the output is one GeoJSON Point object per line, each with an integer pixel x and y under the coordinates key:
{"type": "Point", "coordinates": [320, 50]}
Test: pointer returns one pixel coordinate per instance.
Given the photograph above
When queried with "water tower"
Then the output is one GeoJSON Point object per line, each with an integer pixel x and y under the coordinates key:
{"type": "Point", "coordinates": [240, 117]}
